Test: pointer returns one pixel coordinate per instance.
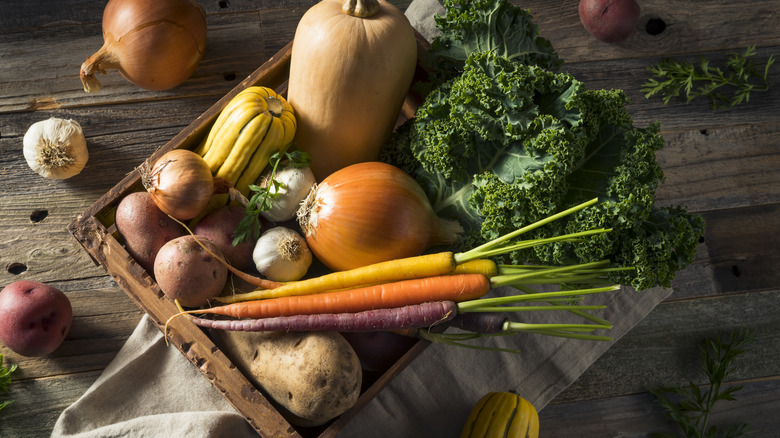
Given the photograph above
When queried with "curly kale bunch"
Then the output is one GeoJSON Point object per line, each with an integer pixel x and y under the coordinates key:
{"type": "Point", "coordinates": [504, 144]}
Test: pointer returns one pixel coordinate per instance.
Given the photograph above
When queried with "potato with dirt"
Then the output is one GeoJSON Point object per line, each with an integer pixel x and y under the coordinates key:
{"type": "Point", "coordinates": [186, 272]}
{"type": "Point", "coordinates": [34, 317]}
{"type": "Point", "coordinates": [313, 376]}
{"type": "Point", "coordinates": [219, 227]}
{"type": "Point", "coordinates": [144, 228]}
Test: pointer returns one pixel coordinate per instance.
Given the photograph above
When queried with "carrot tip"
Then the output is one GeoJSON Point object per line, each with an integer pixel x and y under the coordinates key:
{"type": "Point", "coordinates": [176, 315]}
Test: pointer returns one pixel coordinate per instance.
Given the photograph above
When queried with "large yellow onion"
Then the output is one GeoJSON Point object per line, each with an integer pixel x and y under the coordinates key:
{"type": "Point", "coordinates": [368, 213]}
{"type": "Point", "coordinates": [155, 44]}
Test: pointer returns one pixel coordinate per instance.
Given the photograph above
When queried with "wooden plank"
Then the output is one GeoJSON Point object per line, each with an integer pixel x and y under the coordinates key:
{"type": "Point", "coordinates": [57, 85]}
{"type": "Point", "coordinates": [740, 252]}
{"type": "Point", "coordinates": [38, 403]}
{"type": "Point", "coordinates": [35, 213]}
{"type": "Point", "coordinates": [636, 415]}
{"type": "Point", "coordinates": [103, 319]}
{"type": "Point", "coordinates": [685, 32]}
{"type": "Point", "coordinates": [723, 167]}
{"type": "Point", "coordinates": [663, 349]}
{"type": "Point", "coordinates": [629, 75]}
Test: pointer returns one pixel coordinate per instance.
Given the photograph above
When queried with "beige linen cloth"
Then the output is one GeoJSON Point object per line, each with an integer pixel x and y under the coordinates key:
{"type": "Point", "coordinates": [151, 390]}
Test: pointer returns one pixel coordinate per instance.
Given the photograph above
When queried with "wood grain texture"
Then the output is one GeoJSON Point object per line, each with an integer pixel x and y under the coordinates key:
{"type": "Point", "coordinates": [721, 164]}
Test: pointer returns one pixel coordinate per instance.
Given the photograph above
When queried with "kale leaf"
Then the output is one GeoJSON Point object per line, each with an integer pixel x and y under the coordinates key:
{"type": "Point", "coordinates": [496, 26]}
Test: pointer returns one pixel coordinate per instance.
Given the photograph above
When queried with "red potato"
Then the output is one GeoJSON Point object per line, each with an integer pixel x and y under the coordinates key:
{"type": "Point", "coordinates": [187, 273]}
{"type": "Point", "coordinates": [34, 318]}
{"type": "Point", "coordinates": [144, 227]}
{"type": "Point", "coordinates": [611, 21]}
{"type": "Point", "coordinates": [218, 227]}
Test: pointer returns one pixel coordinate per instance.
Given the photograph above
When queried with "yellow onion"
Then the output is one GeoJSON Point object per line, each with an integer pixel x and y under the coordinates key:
{"type": "Point", "coordinates": [368, 213]}
{"type": "Point", "coordinates": [180, 183]}
{"type": "Point", "coordinates": [155, 44]}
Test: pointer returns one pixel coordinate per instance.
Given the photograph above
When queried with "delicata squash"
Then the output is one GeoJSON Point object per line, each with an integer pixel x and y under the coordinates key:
{"type": "Point", "coordinates": [351, 66]}
{"type": "Point", "coordinates": [502, 414]}
{"type": "Point", "coordinates": [253, 126]}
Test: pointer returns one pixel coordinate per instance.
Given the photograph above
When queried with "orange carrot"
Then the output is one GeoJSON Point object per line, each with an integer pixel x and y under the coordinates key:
{"type": "Point", "coordinates": [382, 296]}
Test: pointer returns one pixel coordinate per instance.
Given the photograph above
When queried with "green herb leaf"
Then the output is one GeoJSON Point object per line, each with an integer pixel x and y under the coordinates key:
{"type": "Point", "coordinates": [690, 407]}
{"type": "Point", "coordinates": [5, 380]}
{"type": "Point", "coordinates": [263, 198]}
{"type": "Point", "coordinates": [723, 88]}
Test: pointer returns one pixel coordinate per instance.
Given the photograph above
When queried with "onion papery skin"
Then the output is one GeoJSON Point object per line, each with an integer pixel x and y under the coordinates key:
{"type": "Point", "coordinates": [180, 183]}
{"type": "Point", "coordinates": [155, 44]}
{"type": "Point", "coordinates": [368, 213]}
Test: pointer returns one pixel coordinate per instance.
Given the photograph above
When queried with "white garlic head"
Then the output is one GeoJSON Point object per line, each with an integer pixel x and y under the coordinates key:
{"type": "Point", "coordinates": [56, 148]}
{"type": "Point", "coordinates": [282, 254]}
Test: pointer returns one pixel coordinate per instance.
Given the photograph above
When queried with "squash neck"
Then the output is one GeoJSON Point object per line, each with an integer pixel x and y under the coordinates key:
{"type": "Point", "coordinates": [360, 8]}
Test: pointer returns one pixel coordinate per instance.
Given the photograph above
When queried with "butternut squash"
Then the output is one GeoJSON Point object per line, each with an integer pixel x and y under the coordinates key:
{"type": "Point", "coordinates": [351, 66]}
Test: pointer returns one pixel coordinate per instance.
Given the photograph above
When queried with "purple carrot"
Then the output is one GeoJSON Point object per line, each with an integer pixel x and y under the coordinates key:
{"type": "Point", "coordinates": [407, 317]}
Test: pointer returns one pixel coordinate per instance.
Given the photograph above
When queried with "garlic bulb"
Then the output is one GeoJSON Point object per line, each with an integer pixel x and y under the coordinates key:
{"type": "Point", "coordinates": [296, 183]}
{"type": "Point", "coordinates": [56, 148]}
{"type": "Point", "coordinates": [281, 254]}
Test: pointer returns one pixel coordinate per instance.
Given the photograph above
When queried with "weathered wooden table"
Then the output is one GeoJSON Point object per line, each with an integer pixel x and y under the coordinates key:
{"type": "Point", "coordinates": [724, 165]}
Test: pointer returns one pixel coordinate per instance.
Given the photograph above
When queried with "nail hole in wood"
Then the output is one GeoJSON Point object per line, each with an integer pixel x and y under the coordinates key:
{"type": "Point", "coordinates": [224, 4]}
{"type": "Point", "coordinates": [735, 271]}
{"type": "Point", "coordinates": [229, 76]}
{"type": "Point", "coordinates": [655, 26]}
{"type": "Point", "coordinates": [16, 268]}
{"type": "Point", "coordinates": [39, 215]}
{"type": "Point", "coordinates": [704, 132]}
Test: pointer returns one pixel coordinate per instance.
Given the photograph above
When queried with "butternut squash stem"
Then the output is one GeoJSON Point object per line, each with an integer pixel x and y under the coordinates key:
{"type": "Point", "coordinates": [360, 8]}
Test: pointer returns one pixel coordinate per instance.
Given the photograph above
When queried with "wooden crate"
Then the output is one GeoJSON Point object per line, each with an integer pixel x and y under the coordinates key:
{"type": "Point", "coordinates": [96, 232]}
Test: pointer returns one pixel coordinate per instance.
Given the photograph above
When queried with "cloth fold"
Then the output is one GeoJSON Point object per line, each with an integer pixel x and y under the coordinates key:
{"type": "Point", "coordinates": [151, 390]}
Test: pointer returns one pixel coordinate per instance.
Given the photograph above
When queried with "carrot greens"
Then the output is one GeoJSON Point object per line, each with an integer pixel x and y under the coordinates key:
{"type": "Point", "coordinates": [690, 407]}
{"type": "Point", "coordinates": [724, 87]}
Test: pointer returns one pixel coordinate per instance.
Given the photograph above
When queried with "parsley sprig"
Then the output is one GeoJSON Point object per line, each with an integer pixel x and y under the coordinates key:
{"type": "Point", "coordinates": [690, 406]}
{"type": "Point", "coordinates": [726, 87]}
{"type": "Point", "coordinates": [5, 379]}
{"type": "Point", "coordinates": [263, 197]}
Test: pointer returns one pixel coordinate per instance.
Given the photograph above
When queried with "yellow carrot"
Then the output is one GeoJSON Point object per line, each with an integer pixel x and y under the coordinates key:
{"type": "Point", "coordinates": [427, 265]}
{"type": "Point", "coordinates": [486, 267]}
